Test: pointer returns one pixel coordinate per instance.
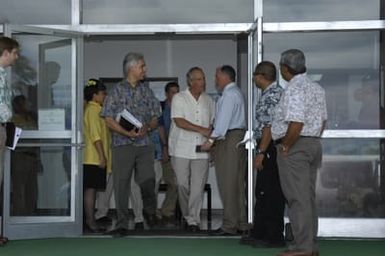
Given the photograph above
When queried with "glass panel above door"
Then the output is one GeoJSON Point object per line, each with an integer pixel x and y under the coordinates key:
{"type": "Point", "coordinates": [35, 12]}
{"type": "Point", "coordinates": [320, 10]}
{"type": "Point", "coordinates": [166, 11]}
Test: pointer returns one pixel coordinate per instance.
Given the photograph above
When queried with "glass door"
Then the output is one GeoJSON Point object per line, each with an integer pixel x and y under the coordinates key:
{"type": "Point", "coordinates": [42, 176]}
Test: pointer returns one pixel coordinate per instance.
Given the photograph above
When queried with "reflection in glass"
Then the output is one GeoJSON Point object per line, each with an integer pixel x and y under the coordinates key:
{"type": "Point", "coordinates": [43, 76]}
{"type": "Point", "coordinates": [40, 181]}
{"type": "Point", "coordinates": [349, 182]}
{"type": "Point", "coordinates": [320, 10]}
{"type": "Point", "coordinates": [347, 67]}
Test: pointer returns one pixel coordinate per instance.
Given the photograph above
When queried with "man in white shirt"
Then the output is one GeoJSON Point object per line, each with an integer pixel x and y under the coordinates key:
{"type": "Point", "coordinates": [192, 113]}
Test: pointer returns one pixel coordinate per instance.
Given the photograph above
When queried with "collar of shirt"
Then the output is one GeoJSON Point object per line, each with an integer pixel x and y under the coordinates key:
{"type": "Point", "coordinates": [273, 84]}
{"type": "Point", "coordinates": [229, 86]}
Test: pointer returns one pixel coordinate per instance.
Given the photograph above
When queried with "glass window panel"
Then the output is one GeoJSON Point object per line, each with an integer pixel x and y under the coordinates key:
{"type": "Point", "coordinates": [320, 10]}
{"type": "Point", "coordinates": [41, 81]}
{"type": "Point", "coordinates": [351, 181]}
{"type": "Point", "coordinates": [347, 65]}
{"type": "Point", "coordinates": [41, 181]}
{"type": "Point", "coordinates": [35, 12]}
{"type": "Point", "coordinates": [166, 11]}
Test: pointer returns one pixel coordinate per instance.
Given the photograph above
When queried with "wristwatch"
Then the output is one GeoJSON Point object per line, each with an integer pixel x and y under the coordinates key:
{"type": "Point", "coordinates": [259, 152]}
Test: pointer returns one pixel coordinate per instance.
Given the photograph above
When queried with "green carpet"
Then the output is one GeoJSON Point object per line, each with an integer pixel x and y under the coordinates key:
{"type": "Point", "coordinates": [173, 247]}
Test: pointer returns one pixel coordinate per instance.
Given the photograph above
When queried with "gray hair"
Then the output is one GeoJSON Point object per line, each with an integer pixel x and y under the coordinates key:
{"type": "Point", "coordinates": [189, 74]}
{"type": "Point", "coordinates": [130, 60]}
{"type": "Point", "coordinates": [294, 59]}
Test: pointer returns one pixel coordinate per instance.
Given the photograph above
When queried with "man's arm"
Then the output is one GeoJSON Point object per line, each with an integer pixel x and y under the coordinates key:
{"type": "Point", "coordinates": [187, 125]}
{"type": "Point", "coordinates": [292, 134]}
{"type": "Point", "coordinates": [262, 147]}
{"type": "Point", "coordinates": [115, 126]}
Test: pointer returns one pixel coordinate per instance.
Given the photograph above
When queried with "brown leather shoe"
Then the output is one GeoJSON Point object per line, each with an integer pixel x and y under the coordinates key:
{"type": "Point", "coordinates": [3, 240]}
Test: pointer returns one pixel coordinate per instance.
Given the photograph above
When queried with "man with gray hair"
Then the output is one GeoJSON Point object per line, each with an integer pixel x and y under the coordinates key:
{"type": "Point", "coordinates": [192, 114]}
{"type": "Point", "coordinates": [297, 126]}
{"type": "Point", "coordinates": [132, 149]}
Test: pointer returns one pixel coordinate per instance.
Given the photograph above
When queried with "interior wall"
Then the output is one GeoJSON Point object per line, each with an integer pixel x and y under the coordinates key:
{"type": "Point", "coordinates": [164, 58]}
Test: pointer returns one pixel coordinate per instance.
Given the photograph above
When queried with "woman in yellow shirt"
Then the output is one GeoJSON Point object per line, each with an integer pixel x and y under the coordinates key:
{"type": "Point", "coordinates": [97, 153]}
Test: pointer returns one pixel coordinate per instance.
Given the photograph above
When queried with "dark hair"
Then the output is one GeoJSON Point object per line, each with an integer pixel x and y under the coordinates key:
{"type": "Point", "coordinates": [7, 44]}
{"type": "Point", "coordinates": [229, 71]}
{"type": "Point", "coordinates": [267, 69]}
{"type": "Point", "coordinates": [93, 86]}
{"type": "Point", "coordinates": [169, 85]}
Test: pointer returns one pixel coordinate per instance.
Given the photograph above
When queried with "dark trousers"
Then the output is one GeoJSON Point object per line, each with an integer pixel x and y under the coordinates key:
{"type": "Point", "coordinates": [270, 202]}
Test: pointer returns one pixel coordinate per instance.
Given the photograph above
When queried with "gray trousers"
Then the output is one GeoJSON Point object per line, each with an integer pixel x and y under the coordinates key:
{"type": "Point", "coordinates": [3, 137]}
{"type": "Point", "coordinates": [169, 203]}
{"type": "Point", "coordinates": [230, 168]}
{"type": "Point", "coordinates": [191, 176]}
{"type": "Point", "coordinates": [125, 159]}
{"type": "Point", "coordinates": [298, 174]}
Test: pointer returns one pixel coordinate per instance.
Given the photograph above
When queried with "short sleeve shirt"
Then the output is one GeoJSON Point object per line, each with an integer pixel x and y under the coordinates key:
{"type": "Point", "coordinates": [139, 101]}
{"type": "Point", "coordinates": [5, 98]}
{"type": "Point", "coordinates": [302, 101]}
{"type": "Point", "coordinates": [182, 143]}
{"type": "Point", "coordinates": [264, 110]}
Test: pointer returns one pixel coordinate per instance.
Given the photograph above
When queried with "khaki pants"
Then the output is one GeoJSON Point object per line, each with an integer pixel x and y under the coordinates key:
{"type": "Point", "coordinates": [230, 168]}
{"type": "Point", "coordinates": [191, 176]}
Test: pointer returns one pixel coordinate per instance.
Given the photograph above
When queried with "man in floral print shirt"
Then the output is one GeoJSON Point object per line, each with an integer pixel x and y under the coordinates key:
{"type": "Point", "coordinates": [297, 125]}
{"type": "Point", "coordinates": [270, 203]}
{"type": "Point", "coordinates": [9, 53]}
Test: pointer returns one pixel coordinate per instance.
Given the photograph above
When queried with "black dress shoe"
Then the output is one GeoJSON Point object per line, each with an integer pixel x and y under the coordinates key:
{"type": "Point", "coordinates": [3, 240]}
{"type": "Point", "coordinates": [193, 228]}
{"type": "Point", "coordinates": [247, 240]}
{"type": "Point", "coordinates": [221, 232]}
{"type": "Point", "coordinates": [104, 221]}
{"type": "Point", "coordinates": [268, 244]}
{"type": "Point", "coordinates": [139, 226]}
{"type": "Point", "coordinates": [119, 232]}
{"type": "Point", "coordinates": [151, 220]}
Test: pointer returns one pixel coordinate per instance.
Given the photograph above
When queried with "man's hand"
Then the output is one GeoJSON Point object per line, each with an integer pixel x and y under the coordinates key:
{"type": "Point", "coordinates": [207, 145]}
{"type": "Point", "coordinates": [258, 162]}
{"type": "Point", "coordinates": [283, 149]}
{"type": "Point", "coordinates": [205, 132]}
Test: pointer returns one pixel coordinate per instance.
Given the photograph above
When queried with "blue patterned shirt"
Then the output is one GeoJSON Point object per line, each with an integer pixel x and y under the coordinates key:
{"type": "Point", "coordinates": [264, 110]}
{"type": "Point", "coordinates": [5, 98]}
{"type": "Point", "coordinates": [140, 101]}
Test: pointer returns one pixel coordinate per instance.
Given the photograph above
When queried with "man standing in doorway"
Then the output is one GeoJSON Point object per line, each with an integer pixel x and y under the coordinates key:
{"type": "Point", "coordinates": [133, 149]}
{"type": "Point", "coordinates": [298, 123]}
{"type": "Point", "coordinates": [270, 203]}
{"type": "Point", "coordinates": [9, 53]}
{"type": "Point", "coordinates": [192, 113]}
{"type": "Point", "coordinates": [230, 160]}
